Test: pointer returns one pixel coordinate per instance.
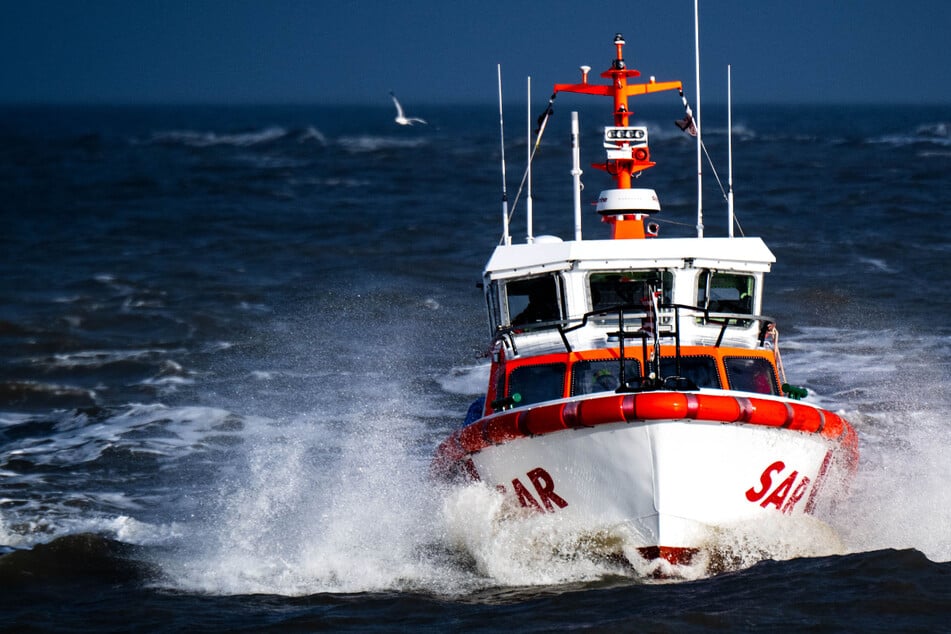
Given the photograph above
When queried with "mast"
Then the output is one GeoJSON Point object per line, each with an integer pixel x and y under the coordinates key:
{"type": "Point", "coordinates": [628, 153]}
{"type": "Point", "coordinates": [696, 47]}
{"type": "Point", "coordinates": [622, 168]}
{"type": "Point", "coordinates": [576, 173]}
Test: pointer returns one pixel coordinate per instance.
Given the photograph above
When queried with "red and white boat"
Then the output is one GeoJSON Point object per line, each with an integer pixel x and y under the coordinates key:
{"type": "Point", "coordinates": [635, 387]}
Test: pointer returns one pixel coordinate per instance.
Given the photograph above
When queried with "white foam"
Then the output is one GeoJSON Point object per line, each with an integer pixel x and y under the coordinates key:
{"type": "Point", "coordinates": [892, 385]}
{"type": "Point", "coordinates": [369, 143]}
{"type": "Point", "coordinates": [318, 507]}
{"type": "Point", "coordinates": [467, 380]}
{"type": "Point", "coordinates": [312, 134]}
{"type": "Point", "coordinates": [193, 138]}
{"type": "Point", "coordinates": [877, 264]}
{"type": "Point", "coordinates": [514, 548]}
{"type": "Point", "coordinates": [99, 358]}
{"type": "Point", "coordinates": [78, 439]}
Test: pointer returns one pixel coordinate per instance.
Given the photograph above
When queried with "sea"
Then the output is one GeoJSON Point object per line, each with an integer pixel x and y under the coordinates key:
{"type": "Point", "coordinates": [231, 338]}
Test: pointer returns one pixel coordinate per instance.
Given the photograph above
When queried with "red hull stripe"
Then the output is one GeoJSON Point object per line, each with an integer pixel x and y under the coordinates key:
{"type": "Point", "coordinates": [676, 555]}
{"type": "Point", "coordinates": [502, 427]}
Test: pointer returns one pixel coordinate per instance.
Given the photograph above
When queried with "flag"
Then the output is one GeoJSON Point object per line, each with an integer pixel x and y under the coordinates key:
{"type": "Point", "coordinates": [686, 124]}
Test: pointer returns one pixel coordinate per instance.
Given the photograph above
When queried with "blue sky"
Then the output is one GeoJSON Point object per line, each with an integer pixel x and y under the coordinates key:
{"type": "Point", "coordinates": [442, 51]}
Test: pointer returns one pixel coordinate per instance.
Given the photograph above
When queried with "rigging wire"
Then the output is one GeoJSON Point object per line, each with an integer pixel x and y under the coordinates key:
{"type": "Point", "coordinates": [687, 125]}
{"type": "Point", "coordinates": [542, 124]}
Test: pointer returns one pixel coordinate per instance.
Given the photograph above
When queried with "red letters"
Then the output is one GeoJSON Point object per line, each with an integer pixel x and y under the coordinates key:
{"type": "Point", "coordinates": [545, 487]}
{"type": "Point", "coordinates": [780, 496]}
{"type": "Point", "coordinates": [524, 497]}
{"type": "Point", "coordinates": [797, 495]}
{"type": "Point", "coordinates": [766, 480]}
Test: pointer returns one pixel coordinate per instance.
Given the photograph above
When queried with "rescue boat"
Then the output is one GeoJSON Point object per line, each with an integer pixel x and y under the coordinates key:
{"type": "Point", "coordinates": [634, 383]}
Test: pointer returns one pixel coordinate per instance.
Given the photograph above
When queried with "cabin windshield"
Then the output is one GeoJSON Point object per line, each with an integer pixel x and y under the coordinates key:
{"type": "Point", "coordinates": [701, 369]}
{"type": "Point", "coordinates": [750, 374]}
{"type": "Point", "coordinates": [725, 292]}
{"type": "Point", "coordinates": [534, 300]}
{"type": "Point", "coordinates": [536, 383]}
{"type": "Point", "coordinates": [612, 288]}
{"type": "Point", "coordinates": [589, 377]}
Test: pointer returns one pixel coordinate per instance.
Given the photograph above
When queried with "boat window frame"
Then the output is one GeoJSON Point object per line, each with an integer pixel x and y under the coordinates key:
{"type": "Point", "coordinates": [704, 288]}
{"type": "Point", "coordinates": [506, 316]}
{"type": "Point", "coordinates": [731, 374]}
{"type": "Point", "coordinates": [713, 368]}
{"type": "Point", "coordinates": [632, 370]}
{"type": "Point", "coordinates": [493, 304]}
{"type": "Point", "coordinates": [666, 279]}
{"type": "Point", "coordinates": [527, 367]}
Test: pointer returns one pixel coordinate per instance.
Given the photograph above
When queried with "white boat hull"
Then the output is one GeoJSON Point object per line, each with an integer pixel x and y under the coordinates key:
{"type": "Point", "coordinates": [669, 483]}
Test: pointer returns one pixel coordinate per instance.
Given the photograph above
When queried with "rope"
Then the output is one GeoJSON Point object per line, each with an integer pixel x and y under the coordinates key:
{"type": "Point", "coordinates": [779, 360]}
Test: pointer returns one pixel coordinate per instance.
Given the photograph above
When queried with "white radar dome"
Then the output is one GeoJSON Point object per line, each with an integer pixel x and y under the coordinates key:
{"type": "Point", "coordinates": [618, 201]}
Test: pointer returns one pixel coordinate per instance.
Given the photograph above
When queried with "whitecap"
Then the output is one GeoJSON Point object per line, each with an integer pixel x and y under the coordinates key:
{"type": "Point", "coordinates": [466, 380]}
{"type": "Point", "coordinates": [367, 143]}
{"type": "Point", "coordinates": [878, 264]}
{"type": "Point", "coordinates": [312, 134]}
{"type": "Point", "coordinates": [192, 138]}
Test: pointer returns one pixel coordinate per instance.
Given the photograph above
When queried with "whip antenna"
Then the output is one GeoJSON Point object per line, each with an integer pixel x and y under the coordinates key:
{"type": "Point", "coordinates": [506, 238]}
{"type": "Point", "coordinates": [528, 168]}
{"type": "Point", "coordinates": [696, 46]}
{"type": "Point", "coordinates": [729, 126]}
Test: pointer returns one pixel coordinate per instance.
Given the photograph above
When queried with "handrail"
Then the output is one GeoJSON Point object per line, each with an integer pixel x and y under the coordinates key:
{"type": "Point", "coordinates": [637, 311]}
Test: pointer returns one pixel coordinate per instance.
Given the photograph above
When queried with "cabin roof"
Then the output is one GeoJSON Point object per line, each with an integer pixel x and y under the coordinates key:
{"type": "Point", "coordinates": [739, 254]}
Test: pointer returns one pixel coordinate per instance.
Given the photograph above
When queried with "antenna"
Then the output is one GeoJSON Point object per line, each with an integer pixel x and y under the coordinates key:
{"type": "Point", "coordinates": [696, 45]}
{"type": "Point", "coordinates": [506, 238]}
{"type": "Point", "coordinates": [729, 127]}
{"type": "Point", "coordinates": [528, 146]}
{"type": "Point", "coordinates": [576, 173]}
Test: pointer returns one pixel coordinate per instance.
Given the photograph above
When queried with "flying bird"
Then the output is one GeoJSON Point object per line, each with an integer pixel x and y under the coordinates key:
{"type": "Point", "coordinates": [401, 118]}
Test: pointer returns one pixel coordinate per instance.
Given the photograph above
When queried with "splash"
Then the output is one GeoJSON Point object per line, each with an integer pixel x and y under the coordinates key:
{"type": "Point", "coordinates": [515, 547]}
{"type": "Point", "coordinates": [321, 505]}
{"type": "Point", "coordinates": [335, 497]}
{"type": "Point", "coordinates": [892, 386]}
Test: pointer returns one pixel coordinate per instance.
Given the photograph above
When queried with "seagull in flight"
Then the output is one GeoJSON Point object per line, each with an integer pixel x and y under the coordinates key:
{"type": "Point", "coordinates": [401, 118]}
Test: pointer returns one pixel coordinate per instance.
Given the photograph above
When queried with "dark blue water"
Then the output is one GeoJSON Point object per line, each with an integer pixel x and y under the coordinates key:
{"type": "Point", "coordinates": [230, 339]}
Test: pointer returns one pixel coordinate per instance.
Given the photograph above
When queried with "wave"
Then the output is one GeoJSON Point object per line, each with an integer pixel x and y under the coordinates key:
{"type": "Point", "coordinates": [81, 436]}
{"type": "Point", "coordinates": [361, 143]}
{"type": "Point", "coordinates": [935, 133]}
{"type": "Point", "coordinates": [24, 394]}
{"type": "Point", "coordinates": [96, 359]}
{"type": "Point", "coordinates": [80, 557]}
{"type": "Point", "coordinates": [193, 138]}
{"type": "Point", "coordinates": [371, 143]}
{"type": "Point", "coordinates": [247, 138]}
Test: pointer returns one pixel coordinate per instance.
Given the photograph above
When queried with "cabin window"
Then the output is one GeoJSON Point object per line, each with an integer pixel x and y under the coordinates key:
{"type": "Point", "coordinates": [589, 377]}
{"type": "Point", "coordinates": [536, 383]}
{"type": "Point", "coordinates": [702, 370]}
{"type": "Point", "coordinates": [725, 292]}
{"type": "Point", "coordinates": [492, 305]}
{"type": "Point", "coordinates": [613, 288]}
{"type": "Point", "coordinates": [534, 300]}
{"type": "Point", "coordinates": [750, 374]}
